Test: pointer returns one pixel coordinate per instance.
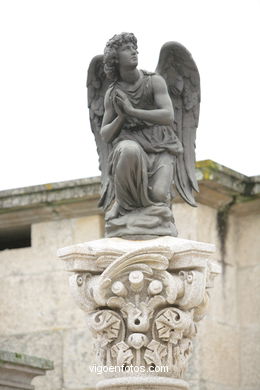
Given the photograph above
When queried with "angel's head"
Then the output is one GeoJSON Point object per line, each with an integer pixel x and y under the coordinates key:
{"type": "Point", "coordinates": [114, 52]}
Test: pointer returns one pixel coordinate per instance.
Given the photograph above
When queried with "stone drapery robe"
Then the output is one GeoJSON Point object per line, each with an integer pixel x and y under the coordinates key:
{"type": "Point", "coordinates": [138, 153]}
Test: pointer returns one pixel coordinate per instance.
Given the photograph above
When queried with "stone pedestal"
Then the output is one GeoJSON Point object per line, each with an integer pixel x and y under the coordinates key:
{"type": "Point", "coordinates": [143, 300]}
{"type": "Point", "coordinates": [18, 370]}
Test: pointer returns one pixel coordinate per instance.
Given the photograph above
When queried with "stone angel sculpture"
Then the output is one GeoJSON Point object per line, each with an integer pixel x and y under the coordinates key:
{"type": "Point", "coordinates": [145, 128]}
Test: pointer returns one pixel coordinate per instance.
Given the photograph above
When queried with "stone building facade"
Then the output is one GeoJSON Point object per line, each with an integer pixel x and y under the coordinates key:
{"type": "Point", "coordinates": [39, 317]}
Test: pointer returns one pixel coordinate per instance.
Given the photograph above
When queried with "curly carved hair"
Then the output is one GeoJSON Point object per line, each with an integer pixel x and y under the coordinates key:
{"type": "Point", "coordinates": [110, 53]}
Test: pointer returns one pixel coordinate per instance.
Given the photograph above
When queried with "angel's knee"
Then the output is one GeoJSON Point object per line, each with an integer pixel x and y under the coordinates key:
{"type": "Point", "coordinates": [129, 148]}
{"type": "Point", "coordinates": [129, 151]}
{"type": "Point", "coordinates": [161, 195]}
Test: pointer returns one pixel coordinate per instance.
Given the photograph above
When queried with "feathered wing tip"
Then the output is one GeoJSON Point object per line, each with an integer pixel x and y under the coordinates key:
{"type": "Point", "coordinates": [180, 72]}
{"type": "Point", "coordinates": [97, 85]}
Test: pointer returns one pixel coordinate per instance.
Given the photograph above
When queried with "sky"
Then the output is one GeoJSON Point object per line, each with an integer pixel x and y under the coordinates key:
{"type": "Point", "coordinates": [47, 45]}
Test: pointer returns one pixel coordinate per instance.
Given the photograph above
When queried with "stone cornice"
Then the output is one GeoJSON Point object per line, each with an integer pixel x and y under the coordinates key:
{"type": "Point", "coordinates": [25, 360]}
{"type": "Point", "coordinates": [219, 186]}
{"type": "Point", "coordinates": [18, 370]}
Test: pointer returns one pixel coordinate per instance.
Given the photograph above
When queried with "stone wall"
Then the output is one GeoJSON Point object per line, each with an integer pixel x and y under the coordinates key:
{"type": "Point", "coordinates": [39, 317]}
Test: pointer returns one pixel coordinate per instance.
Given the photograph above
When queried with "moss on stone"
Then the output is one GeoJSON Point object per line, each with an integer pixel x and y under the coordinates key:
{"type": "Point", "coordinates": [25, 360]}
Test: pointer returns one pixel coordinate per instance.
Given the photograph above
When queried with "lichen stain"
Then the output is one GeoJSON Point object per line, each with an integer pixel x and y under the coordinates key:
{"type": "Point", "coordinates": [222, 227]}
{"type": "Point", "coordinates": [48, 186]}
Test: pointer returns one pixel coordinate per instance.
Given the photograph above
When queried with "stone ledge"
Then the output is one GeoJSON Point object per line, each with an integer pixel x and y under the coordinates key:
{"type": "Point", "coordinates": [18, 370]}
{"type": "Point", "coordinates": [185, 252]}
{"type": "Point", "coordinates": [220, 186]}
{"type": "Point", "coordinates": [25, 360]}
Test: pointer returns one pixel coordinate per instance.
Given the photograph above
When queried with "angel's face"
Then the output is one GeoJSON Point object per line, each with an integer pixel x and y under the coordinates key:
{"type": "Point", "coordinates": [127, 55]}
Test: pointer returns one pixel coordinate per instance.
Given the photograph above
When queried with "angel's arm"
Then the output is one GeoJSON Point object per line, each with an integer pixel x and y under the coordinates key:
{"type": "Point", "coordinates": [162, 115]}
{"type": "Point", "coordinates": [112, 121]}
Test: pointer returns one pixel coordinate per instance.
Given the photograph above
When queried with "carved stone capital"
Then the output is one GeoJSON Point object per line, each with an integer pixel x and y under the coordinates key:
{"type": "Point", "coordinates": [143, 300]}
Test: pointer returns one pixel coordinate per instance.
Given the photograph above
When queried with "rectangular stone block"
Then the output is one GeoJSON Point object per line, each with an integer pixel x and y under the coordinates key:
{"type": "Point", "coordinates": [207, 229]}
{"type": "Point", "coordinates": [219, 353]}
{"type": "Point", "coordinates": [199, 224]}
{"type": "Point", "coordinates": [57, 234]}
{"type": "Point", "coordinates": [47, 237]}
{"type": "Point", "coordinates": [52, 234]}
{"type": "Point", "coordinates": [248, 244]}
{"type": "Point", "coordinates": [185, 220]}
{"type": "Point", "coordinates": [78, 356]}
{"type": "Point", "coordinates": [88, 228]}
{"type": "Point", "coordinates": [38, 302]}
{"type": "Point", "coordinates": [27, 261]}
{"type": "Point", "coordinates": [223, 297]}
{"type": "Point", "coordinates": [250, 358]}
{"type": "Point", "coordinates": [249, 295]}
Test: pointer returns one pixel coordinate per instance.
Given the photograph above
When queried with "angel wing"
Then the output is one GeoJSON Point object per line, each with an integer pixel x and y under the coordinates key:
{"type": "Point", "coordinates": [180, 72]}
{"type": "Point", "coordinates": [97, 85]}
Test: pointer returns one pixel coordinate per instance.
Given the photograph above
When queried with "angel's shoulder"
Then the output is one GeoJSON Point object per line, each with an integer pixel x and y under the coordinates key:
{"type": "Point", "coordinates": [147, 73]}
{"type": "Point", "coordinates": [157, 78]}
{"type": "Point", "coordinates": [158, 81]}
{"type": "Point", "coordinates": [154, 77]}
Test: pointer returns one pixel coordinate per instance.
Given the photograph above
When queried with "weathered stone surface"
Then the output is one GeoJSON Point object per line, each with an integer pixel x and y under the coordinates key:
{"type": "Point", "coordinates": [88, 228]}
{"type": "Point", "coordinates": [219, 353]}
{"type": "Point", "coordinates": [186, 220]}
{"type": "Point", "coordinates": [18, 370]}
{"type": "Point", "coordinates": [199, 224]}
{"type": "Point", "coordinates": [249, 295]}
{"type": "Point", "coordinates": [223, 298]}
{"type": "Point", "coordinates": [230, 249]}
{"type": "Point", "coordinates": [47, 345]}
{"type": "Point", "coordinates": [250, 358]}
{"type": "Point", "coordinates": [49, 202]}
{"type": "Point", "coordinates": [207, 226]}
{"type": "Point", "coordinates": [46, 238]}
{"type": "Point", "coordinates": [50, 192]}
{"type": "Point", "coordinates": [248, 245]}
{"type": "Point", "coordinates": [28, 261]}
{"type": "Point", "coordinates": [229, 180]}
{"type": "Point", "coordinates": [78, 356]}
{"type": "Point", "coordinates": [46, 235]}
{"type": "Point", "coordinates": [25, 360]}
{"type": "Point", "coordinates": [41, 302]}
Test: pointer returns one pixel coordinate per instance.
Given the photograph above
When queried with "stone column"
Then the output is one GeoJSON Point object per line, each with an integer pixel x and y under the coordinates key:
{"type": "Point", "coordinates": [143, 300]}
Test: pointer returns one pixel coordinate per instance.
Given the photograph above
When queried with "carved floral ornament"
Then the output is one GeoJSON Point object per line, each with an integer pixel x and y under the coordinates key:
{"type": "Point", "coordinates": [140, 310]}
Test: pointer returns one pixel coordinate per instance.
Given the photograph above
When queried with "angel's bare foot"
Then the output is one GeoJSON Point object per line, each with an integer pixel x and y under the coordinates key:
{"type": "Point", "coordinates": [113, 212]}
